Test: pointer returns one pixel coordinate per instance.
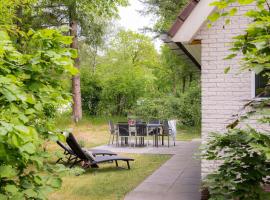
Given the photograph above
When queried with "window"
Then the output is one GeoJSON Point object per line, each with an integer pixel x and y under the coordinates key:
{"type": "Point", "coordinates": [262, 86]}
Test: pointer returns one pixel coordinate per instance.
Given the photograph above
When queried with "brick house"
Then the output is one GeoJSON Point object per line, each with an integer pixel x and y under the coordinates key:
{"type": "Point", "coordinates": [223, 95]}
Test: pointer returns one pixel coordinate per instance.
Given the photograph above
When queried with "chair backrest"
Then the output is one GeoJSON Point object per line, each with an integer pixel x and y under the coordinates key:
{"type": "Point", "coordinates": [154, 121]}
{"type": "Point", "coordinates": [141, 129]}
{"type": "Point", "coordinates": [123, 129]}
{"type": "Point", "coordinates": [76, 148]}
{"type": "Point", "coordinates": [166, 128]}
{"type": "Point", "coordinates": [67, 149]}
{"type": "Point", "coordinates": [111, 127]}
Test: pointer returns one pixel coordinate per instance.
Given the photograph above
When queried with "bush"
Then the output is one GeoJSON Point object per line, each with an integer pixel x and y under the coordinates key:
{"type": "Point", "coordinates": [91, 92]}
{"type": "Point", "coordinates": [190, 106]}
{"type": "Point", "coordinates": [186, 108]}
{"type": "Point", "coordinates": [244, 165]}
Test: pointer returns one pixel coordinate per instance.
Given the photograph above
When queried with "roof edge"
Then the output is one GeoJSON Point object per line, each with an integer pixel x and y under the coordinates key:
{"type": "Point", "coordinates": [182, 16]}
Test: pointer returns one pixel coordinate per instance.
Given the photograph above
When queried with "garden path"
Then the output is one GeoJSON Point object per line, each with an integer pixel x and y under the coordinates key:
{"type": "Point", "coordinates": [177, 179]}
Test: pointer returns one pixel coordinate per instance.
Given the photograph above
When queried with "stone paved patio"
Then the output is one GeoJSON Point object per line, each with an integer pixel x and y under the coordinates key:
{"type": "Point", "coordinates": [177, 179]}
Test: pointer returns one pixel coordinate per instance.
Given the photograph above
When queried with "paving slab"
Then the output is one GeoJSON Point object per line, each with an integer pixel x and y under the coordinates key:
{"type": "Point", "coordinates": [177, 179]}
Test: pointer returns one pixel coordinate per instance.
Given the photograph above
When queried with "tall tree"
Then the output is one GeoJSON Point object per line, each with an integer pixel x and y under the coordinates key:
{"type": "Point", "coordinates": [165, 11]}
{"type": "Point", "coordinates": [85, 18]}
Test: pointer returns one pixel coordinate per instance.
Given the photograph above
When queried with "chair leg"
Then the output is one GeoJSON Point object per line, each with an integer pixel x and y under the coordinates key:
{"type": "Point", "coordinates": [168, 140]}
{"type": "Point", "coordinates": [116, 163]}
{"type": "Point", "coordinates": [128, 164]}
{"type": "Point", "coordinates": [110, 139]}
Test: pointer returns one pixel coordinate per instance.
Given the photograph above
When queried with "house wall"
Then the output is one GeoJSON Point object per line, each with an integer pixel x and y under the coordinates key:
{"type": "Point", "coordinates": [223, 95]}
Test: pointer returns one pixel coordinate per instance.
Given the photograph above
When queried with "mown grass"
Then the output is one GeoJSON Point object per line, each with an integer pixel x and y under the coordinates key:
{"type": "Point", "coordinates": [107, 182]}
{"type": "Point", "coordinates": [188, 133]}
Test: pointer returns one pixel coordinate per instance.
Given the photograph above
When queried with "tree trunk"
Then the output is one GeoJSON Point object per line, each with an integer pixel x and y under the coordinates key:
{"type": "Point", "coordinates": [190, 79]}
{"type": "Point", "coordinates": [76, 85]}
{"type": "Point", "coordinates": [184, 84]}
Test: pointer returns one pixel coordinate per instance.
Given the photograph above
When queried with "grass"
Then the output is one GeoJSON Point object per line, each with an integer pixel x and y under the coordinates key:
{"type": "Point", "coordinates": [107, 182]}
{"type": "Point", "coordinates": [188, 133]}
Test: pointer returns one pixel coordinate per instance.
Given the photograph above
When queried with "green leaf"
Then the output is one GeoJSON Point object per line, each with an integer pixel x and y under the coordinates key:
{"type": "Point", "coordinates": [227, 69]}
{"type": "Point", "coordinates": [28, 147]}
{"type": "Point", "coordinates": [233, 11]}
{"type": "Point", "coordinates": [30, 193]}
{"type": "Point", "coordinates": [258, 69]}
{"type": "Point", "coordinates": [7, 171]}
{"type": "Point", "coordinates": [230, 56]}
{"type": "Point", "coordinates": [11, 189]}
{"type": "Point", "coordinates": [214, 17]}
{"type": "Point", "coordinates": [245, 2]}
{"type": "Point", "coordinates": [22, 129]}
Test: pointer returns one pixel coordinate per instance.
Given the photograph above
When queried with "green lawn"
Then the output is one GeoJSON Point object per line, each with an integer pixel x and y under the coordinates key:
{"type": "Point", "coordinates": [107, 182]}
{"type": "Point", "coordinates": [188, 133]}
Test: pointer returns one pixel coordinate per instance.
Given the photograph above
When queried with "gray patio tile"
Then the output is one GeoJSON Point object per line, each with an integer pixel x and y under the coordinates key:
{"type": "Point", "coordinates": [144, 196]}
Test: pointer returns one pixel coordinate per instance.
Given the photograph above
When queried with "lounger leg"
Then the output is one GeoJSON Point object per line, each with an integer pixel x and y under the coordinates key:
{"type": "Point", "coordinates": [59, 160]}
{"type": "Point", "coordinates": [112, 139]}
{"type": "Point", "coordinates": [128, 165]}
{"type": "Point", "coordinates": [168, 140]}
{"type": "Point", "coordinates": [74, 163]}
{"type": "Point", "coordinates": [116, 163]}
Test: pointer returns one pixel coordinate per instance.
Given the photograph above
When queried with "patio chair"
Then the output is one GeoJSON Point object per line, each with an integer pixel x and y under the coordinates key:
{"type": "Point", "coordinates": [154, 129]}
{"type": "Point", "coordinates": [166, 131]}
{"type": "Point", "coordinates": [141, 133]}
{"type": "Point", "coordinates": [88, 159]}
{"type": "Point", "coordinates": [123, 132]}
{"type": "Point", "coordinates": [113, 132]}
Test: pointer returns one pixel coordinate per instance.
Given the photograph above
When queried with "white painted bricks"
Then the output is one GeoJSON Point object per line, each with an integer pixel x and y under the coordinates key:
{"type": "Point", "coordinates": [223, 95]}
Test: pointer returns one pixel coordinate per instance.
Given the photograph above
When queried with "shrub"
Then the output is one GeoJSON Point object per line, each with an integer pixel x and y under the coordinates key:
{"type": "Point", "coordinates": [244, 165]}
{"type": "Point", "coordinates": [91, 92]}
{"type": "Point", "coordinates": [186, 108]}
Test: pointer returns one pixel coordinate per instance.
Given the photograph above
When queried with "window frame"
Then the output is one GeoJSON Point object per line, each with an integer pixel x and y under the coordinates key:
{"type": "Point", "coordinates": [253, 87]}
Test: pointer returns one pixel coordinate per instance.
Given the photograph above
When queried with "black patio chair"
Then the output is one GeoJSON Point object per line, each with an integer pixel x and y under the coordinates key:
{"type": "Point", "coordinates": [141, 133]}
{"type": "Point", "coordinates": [123, 132]}
{"type": "Point", "coordinates": [88, 159]}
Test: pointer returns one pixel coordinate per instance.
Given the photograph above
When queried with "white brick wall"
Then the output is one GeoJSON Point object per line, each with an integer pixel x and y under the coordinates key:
{"type": "Point", "coordinates": [223, 95]}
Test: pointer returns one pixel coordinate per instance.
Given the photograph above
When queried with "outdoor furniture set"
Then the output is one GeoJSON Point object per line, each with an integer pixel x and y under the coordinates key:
{"type": "Point", "coordinates": [134, 133]}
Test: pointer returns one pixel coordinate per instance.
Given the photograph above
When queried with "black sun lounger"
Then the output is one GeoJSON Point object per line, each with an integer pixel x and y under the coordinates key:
{"type": "Point", "coordinates": [88, 158]}
{"type": "Point", "coordinates": [72, 156]}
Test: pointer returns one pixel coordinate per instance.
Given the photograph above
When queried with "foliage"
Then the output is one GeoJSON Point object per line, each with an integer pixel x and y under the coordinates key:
{"type": "Point", "coordinates": [122, 74]}
{"type": "Point", "coordinates": [244, 166]}
{"type": "Point", "coordinates": [165, 10]}
{"type": "Point", "coordinates": [190, 103]}
{"type": "Point", "coordinates": [244, 154]}
{"type": "Point", "coordinates": [174, 75]}
{"type": "Point", "coordinates": [253, 44]}
{"type": "Point", "coordinates": [29, 74]}
{"type": "Point", "coordinates": [186, 108]}
{"type": "Point", "coordinates": [91, 89]}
